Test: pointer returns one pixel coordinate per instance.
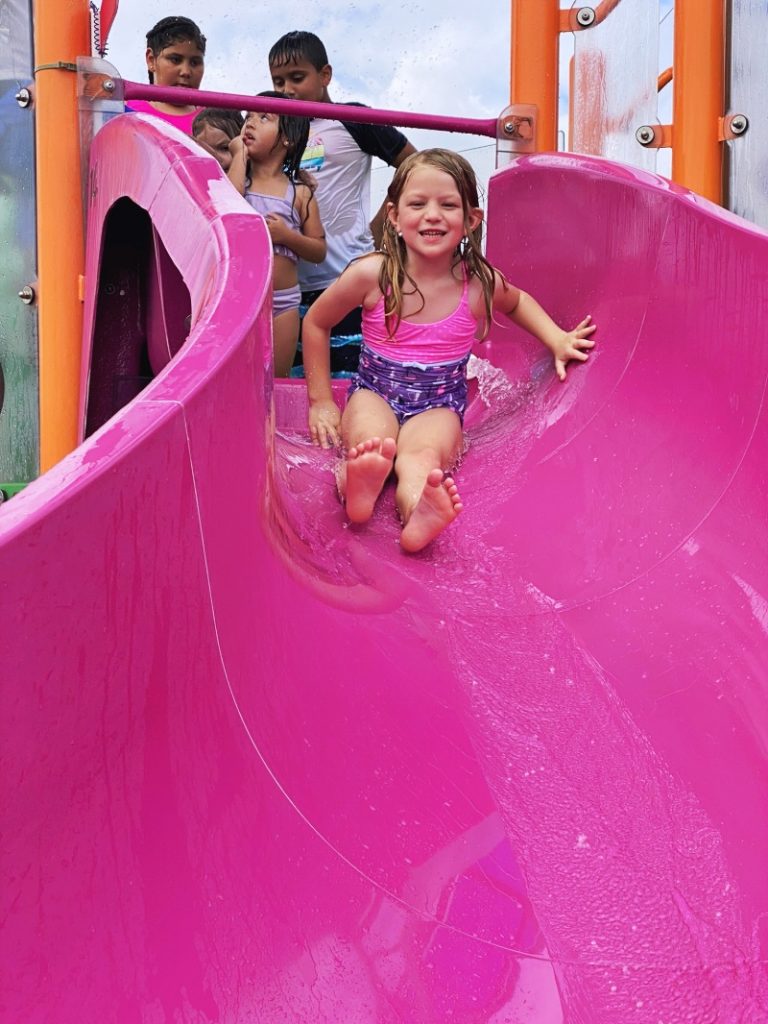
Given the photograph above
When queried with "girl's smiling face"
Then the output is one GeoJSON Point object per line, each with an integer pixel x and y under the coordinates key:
{"type": "Point", "coordinates": [179, 64]}
{"type": "Point", "coordinates": [430, 214]}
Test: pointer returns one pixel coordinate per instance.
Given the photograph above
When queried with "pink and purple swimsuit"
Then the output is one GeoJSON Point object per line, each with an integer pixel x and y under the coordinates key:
{"type": "Point", "coordinates": [422, 366]}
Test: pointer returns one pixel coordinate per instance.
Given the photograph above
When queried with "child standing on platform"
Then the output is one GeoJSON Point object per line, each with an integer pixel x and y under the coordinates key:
{"type": "Point", "coordinates": [265, 168]}
{"type": "Point", "coordinates": [426, 298]}
{"type": "Point", "coordinates": [175, 57]}
{"type": "Point", "coordinates": [338, 157]}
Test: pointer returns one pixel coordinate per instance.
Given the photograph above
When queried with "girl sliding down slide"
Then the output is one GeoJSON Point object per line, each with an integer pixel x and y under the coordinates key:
{"type": "Point", "coordinates": [426, 298]}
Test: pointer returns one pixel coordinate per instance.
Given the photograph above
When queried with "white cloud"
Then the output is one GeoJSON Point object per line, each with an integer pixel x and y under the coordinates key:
{"type": "Point", "coordinates": [432, 56]}
{"type": "Point", "coordinates": [424, 56]}
{"type": "Point", "coordinates": [427, 57]}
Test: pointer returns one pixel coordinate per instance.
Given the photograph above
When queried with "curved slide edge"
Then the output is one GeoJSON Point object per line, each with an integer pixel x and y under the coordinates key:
{"type": "Point", "coordinates": [193, 678]}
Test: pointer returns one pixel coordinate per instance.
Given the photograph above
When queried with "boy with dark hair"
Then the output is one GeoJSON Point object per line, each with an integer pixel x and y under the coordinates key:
{"type": "Point", "coordinates": [338, 156]}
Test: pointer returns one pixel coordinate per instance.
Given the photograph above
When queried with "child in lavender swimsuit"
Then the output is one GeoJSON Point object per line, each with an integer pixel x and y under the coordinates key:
{"type": "Point", "coordinates": [265, 168]}
{"type": "Point", "coordinates": [426, 298]}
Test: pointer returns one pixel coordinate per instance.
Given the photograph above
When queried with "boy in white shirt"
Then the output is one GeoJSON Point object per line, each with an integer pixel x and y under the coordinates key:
{"type": "Point", "coordinates": [338, 156]}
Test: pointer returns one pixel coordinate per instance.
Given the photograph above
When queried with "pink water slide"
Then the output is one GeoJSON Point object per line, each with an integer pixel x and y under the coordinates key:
{"type": "Point", "coordinates": [262, 767]}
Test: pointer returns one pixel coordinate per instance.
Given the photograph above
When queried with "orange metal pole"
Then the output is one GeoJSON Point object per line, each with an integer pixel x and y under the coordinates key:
{"type": "Point", "coordinates": [534, 70]}
{"type": "Point", "coordinates": [698, 102]}
{"type": "Point", "coordinates": [62, 33]}
{"type": "Point", "coordinates": [604, 8]}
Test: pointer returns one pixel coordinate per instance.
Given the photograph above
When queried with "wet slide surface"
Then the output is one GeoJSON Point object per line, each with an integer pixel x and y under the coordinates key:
{"type": "Point", "coordinates": [259, 765]}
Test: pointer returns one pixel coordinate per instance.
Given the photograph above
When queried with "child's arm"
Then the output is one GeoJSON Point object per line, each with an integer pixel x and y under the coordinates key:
{"type": "Point", "coordinates": [526, 312]}
{"type": "Point", "coordinates": [345, 294]}
{"type": "Point", "coordinates": [309, 243]}
{"type": "Point", "coordinates": [237, 168]}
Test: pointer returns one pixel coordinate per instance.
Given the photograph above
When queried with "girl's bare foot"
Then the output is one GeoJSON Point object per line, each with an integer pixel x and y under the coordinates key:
{"type": "Point", "coordinates": [364, 474]}
{"type": "Point", "coordinates": [437, 507]}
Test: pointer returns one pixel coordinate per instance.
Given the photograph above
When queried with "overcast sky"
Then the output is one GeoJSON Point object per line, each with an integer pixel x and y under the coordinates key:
{"type": "Point", "coordinates": [427, 56]}
{"type": "Point", "coordinates": [398, 55]}
{"type": "Point", "coordinates": [395, 54]}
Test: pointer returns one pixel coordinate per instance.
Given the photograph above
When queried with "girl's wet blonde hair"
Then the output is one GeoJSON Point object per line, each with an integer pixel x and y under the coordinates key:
{"type": "Point", "coordinates": [393, 275]}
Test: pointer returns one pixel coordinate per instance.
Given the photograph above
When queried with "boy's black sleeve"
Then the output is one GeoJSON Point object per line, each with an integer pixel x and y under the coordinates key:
{"type": "Point", "coordinates": [376, 139]}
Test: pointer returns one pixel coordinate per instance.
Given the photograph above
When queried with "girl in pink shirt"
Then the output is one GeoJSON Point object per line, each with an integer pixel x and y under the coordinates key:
{"type": "Point", "coordinates": [175, 57]}
{"type": "Point", "coordinates": [426, 298]}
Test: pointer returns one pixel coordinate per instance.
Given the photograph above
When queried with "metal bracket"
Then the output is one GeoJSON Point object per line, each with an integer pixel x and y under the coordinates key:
{"type": "Point", "coordinates": [585, 16]}
{"type": "Point", "coordinates": [57, 65]}
{"type": "Point", "coordinates": [732, 127]}
{"type": "Point", "coordinates": [515, 132]}
{"type": "Point", "coordinates": [654, 136]}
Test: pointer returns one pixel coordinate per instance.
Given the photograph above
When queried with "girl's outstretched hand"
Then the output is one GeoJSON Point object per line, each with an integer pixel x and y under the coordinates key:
{"type": "Point", "coordinates": [574, 344]}
{"type": "Point", "coordinates": [324, 422]}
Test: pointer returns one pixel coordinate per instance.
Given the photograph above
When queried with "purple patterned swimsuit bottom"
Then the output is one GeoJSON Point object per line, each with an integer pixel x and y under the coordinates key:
{"type": "Point", "coordinates": [412, 388]}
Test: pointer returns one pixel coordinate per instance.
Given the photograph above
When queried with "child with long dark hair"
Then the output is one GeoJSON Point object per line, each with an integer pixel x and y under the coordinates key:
{"type": "Point", "coordinates": [426, 299]}
{"type": "Point", "coordinates": [266, 170]}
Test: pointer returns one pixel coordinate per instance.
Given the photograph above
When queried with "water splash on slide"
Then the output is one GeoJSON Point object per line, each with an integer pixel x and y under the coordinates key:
{"type": "Point", "coordinates": [621, 863]}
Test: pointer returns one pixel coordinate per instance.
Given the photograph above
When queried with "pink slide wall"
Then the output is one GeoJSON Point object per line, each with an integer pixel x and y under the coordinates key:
{"type": "Point", "coordinates": [260, 766]}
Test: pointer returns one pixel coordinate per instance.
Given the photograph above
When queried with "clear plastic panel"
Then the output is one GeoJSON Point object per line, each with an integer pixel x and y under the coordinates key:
{"type": "Point", "coordinates": [516, 132]}
{"type": "Point", "coordinates": [614, 83]}
{"type": "Point", "coordinates": [19, 415]}
{"type": "Point", "coordinates": [748, 95]}
{"type": "Point", "coordinates": [99, 98]}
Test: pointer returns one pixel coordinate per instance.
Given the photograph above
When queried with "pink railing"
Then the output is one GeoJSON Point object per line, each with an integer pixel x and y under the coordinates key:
{"type": "Point", "coordinates": [302, 108]}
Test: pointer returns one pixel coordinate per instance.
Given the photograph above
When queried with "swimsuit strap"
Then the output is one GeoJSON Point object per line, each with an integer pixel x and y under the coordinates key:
{"type": "Point", "coordinates": [465, 276]}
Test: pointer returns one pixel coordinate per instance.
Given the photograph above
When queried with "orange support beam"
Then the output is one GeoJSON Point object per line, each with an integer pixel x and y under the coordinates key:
{"type": "Point", "coordinates": [698, 102]}
{"type": "Point", "coordinates": [62, 33]}
{"type": "Point", "coordinates": [665, 78]}
{"type": "Point", "coordinates": [535, 43]}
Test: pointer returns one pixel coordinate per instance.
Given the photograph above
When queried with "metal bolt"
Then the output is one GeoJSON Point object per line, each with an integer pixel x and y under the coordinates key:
{"type": "Point", "coordinates": [109, 85]}
{"type": "Point", "coordinates": [585, 17]}
{"type": "Point", "coordinates": [739, 124]}
{"type": "Point", "coordinates": [510, 128]}
{"type": "Point", "coordinates": [27, 294]}
{"type": "Point", "coordinates": [645, 135]}
{"type": "Point", "coordinates": [23, 97]}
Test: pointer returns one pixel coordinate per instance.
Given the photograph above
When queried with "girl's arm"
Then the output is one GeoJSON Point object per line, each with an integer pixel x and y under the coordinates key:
{"type": "Point", "coordinates": [344, 295]}
{"type": "Point", "coordinates": [309, 243]}
{"type": "Point", "coordinates": [237, 168]}
{"type": "Point", "coordinates": [525, 311]}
